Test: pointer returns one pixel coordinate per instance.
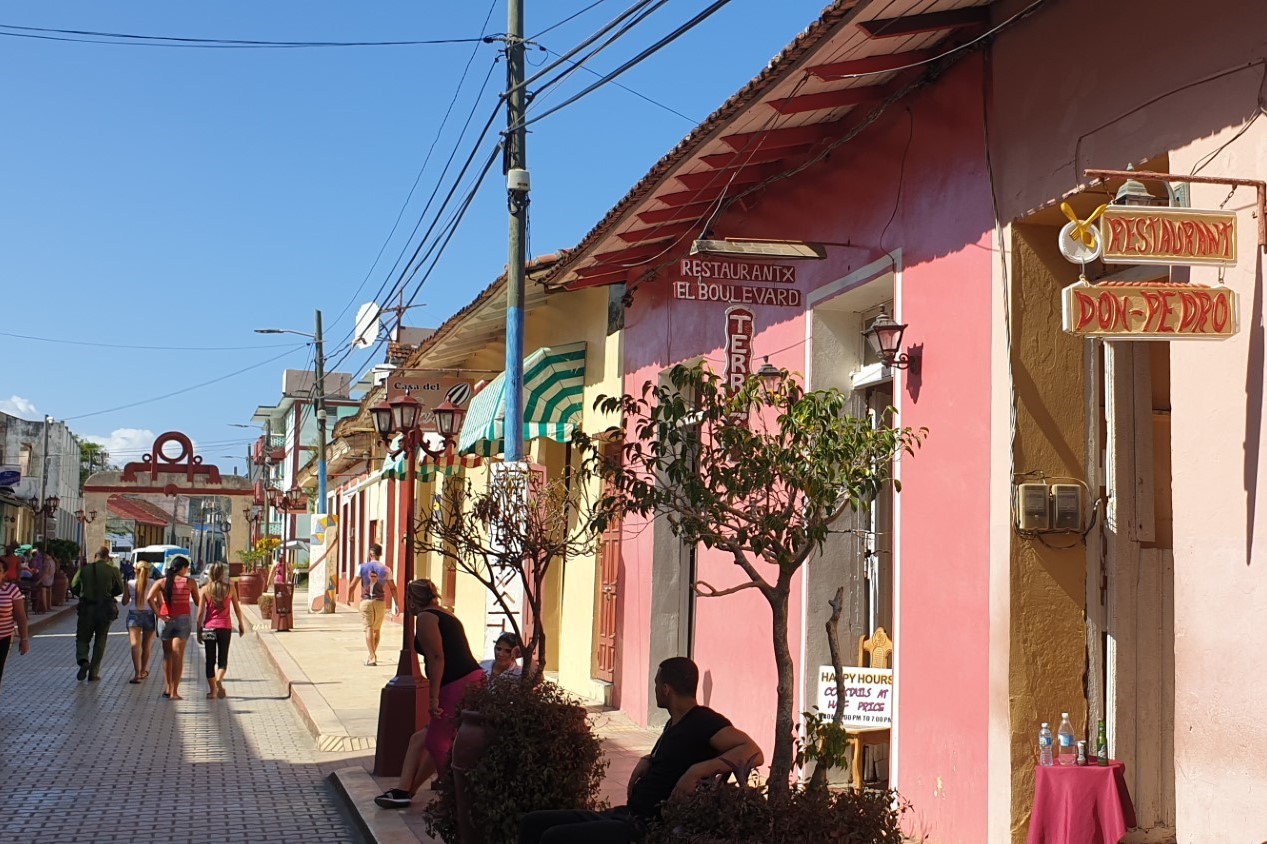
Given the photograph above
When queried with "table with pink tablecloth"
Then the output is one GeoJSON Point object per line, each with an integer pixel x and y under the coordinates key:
{"type": "Point", "coordinates": [1080, 804]}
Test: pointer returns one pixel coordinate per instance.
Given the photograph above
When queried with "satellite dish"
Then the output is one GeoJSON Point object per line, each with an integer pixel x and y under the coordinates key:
{"type": "Point", "coordinates": [367, 325]}
{"type": "Point", "coordinates": [1075, 249]}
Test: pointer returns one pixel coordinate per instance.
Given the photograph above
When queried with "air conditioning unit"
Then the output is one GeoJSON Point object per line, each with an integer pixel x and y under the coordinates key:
{"type": "Point", "coordinates": [1033, 507]}
{"type": "Point", "coordinates": [1067, 507]}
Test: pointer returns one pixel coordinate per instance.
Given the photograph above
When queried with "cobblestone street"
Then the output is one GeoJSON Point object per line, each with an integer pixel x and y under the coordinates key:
{"type": "Point", "coordinates": [113, 762]}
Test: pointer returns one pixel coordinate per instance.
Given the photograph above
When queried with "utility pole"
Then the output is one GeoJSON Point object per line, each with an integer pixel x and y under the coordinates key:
{"type": "Point", "coordinates": [517, 187]}
{"type": "Point", "coordinates": [319, 409]}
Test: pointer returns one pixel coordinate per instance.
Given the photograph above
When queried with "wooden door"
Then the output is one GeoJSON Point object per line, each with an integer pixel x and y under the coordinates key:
{"type": "Point", "coordinates": [607, 583]}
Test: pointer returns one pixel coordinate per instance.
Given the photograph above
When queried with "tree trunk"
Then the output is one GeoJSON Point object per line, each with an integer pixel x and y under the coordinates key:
{"type": "Point", "coordinates": [818, 780]}
{"type": "Point", "coordinates": [781, 758]}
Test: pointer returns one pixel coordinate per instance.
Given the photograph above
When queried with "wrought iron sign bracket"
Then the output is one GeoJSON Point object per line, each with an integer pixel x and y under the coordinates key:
{"type": "Point", "coordinates": [1260, 186]}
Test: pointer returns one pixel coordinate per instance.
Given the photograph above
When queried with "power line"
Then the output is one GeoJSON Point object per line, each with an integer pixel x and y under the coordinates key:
{"type": "Point", "coordinates": [400, 279]}
{"type": "Point", "coordinates": [637, 94]}
{"type": "Point", "coordinates": [144, 348]}
{"type": "Point", "coordinates": [426, 160]}
{"type": "Point", "coordinates": [570, 17]}
{"type": "Point", "coordinates": [422, 215]}
{"type": "Point", "coordinates": [438, 247]}
{"type": "Point", "coordinates": [636, 60]}
{"type": "Point", "coordinates": [641, 16]}
{"type": "Point", "coordinates": [183, 389]}
{"type": "Point", "coordinates": [125, 39]}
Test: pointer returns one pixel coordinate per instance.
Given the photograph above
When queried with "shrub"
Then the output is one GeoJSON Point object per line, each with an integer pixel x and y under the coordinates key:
{"type": "Point", "coordinates": [733, 814]}
{"type": "Point", "coordinates": [541, 754]}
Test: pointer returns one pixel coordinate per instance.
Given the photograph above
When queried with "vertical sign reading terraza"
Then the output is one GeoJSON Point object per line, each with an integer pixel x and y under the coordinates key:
{"type": "Point", "coordinates": [738, 347]}
{"type": "Point", "coordinates": [737, 283]}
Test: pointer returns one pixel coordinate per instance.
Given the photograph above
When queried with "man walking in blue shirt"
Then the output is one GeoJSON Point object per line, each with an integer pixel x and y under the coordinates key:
{"type": "Point", "coordinates": [374, 582]}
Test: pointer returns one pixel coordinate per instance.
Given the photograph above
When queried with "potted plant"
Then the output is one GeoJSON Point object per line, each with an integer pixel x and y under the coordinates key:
{"type": "Point", "coordinates": [538, 751]}
{"type": "Point", "coordinates": [66, 553]}
{"type": "Point", "coordinates": [254, 560]}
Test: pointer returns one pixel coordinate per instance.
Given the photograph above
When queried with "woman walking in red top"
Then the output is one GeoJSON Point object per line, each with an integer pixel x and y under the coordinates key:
{"type": "Point", "coordinates": [12, 617]}
{"type": "Point", "coordinates": [175, 589]}
{"type": "Point", "coordinates": [215, 626]}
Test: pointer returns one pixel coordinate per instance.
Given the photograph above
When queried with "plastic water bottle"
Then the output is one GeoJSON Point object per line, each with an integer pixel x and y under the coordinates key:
{"type": "Point", "coordinates": [1044, 746]}
{"type": "Point", "coordinates": [1066, 753]}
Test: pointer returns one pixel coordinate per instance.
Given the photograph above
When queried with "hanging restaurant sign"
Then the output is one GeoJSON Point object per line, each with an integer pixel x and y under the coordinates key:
{"type": "Point", "coordinates": [736, 283]}
{"type": "Point", "coordinates": [431, 389]}
{"type": "Point", "coordinates": [1149, 235]}
{"type": "Point", "coordinates": [1150, 311]}
{"type": "Point", "coordinates": [738, 347]}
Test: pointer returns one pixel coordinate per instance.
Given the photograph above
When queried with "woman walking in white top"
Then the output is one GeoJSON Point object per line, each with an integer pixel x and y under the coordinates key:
{"type": "Point", "coordinates": [141, 622]}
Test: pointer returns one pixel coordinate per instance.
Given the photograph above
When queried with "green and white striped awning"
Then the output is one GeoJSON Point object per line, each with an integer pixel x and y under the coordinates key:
{"type": "Point", "coordinates": [554, 386]}
{"type": "Point", "coordinates": [394, 468]}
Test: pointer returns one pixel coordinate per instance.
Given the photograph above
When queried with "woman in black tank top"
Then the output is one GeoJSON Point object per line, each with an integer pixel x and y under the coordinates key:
{"type": "Point", "coordinates": [451, 670]}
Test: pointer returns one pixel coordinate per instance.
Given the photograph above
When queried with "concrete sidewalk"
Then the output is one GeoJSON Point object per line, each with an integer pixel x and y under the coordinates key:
{"type": "Point", "coordinates": [322, 664]}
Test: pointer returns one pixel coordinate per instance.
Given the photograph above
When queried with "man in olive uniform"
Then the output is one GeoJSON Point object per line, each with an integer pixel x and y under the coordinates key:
{"type": "Point", "coordinates": [96, 585]}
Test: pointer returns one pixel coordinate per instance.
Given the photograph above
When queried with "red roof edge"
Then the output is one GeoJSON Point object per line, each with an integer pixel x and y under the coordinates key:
{"type": "Point", "coordinates": [813, 35]}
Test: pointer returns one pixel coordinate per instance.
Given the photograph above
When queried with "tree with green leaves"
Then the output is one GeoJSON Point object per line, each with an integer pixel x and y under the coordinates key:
{"type": "Point", "coordinates": [93, 457]}
{"type": "Point", "coordinates": [760, 472]}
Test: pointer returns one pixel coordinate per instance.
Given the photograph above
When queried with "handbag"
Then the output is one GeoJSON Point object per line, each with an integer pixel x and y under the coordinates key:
{"type": "Point", "coordinates": [207, 635]}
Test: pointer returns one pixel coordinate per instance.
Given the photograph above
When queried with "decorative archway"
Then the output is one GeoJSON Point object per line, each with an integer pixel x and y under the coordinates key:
{"type": "Point", "coordinates": [165, 473]}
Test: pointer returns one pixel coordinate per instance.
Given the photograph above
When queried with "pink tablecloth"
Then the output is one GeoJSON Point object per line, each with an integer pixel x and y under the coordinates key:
{"type": "Point", "coordinates": [1082, 804]}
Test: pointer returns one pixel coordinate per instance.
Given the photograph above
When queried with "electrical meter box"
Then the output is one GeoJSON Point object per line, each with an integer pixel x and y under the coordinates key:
{"type": "Point", "coordinates": [1033, 506]}
{"type": "Point", "coordinates": [1067, 507]}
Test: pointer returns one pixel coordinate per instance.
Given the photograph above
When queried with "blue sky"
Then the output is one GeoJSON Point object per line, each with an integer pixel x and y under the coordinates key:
{"type": "Point", "coordinates": [182, 197]}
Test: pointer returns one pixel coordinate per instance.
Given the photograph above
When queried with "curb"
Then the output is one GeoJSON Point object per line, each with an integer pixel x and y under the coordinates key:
{"type": "Point", "coordinates": [34, 625]}
{"type": "Point", "coordinates": [320, 720]}
{"type": "Point", "coordinates": [379, 826]}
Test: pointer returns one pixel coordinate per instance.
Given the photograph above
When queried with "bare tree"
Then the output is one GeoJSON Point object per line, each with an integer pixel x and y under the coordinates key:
{"type": "Point", "coordinates": [516, 527]}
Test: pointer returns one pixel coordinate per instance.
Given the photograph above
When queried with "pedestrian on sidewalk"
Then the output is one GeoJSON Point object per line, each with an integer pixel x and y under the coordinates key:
{"type": "Point", "coordinates": [12, 563]}
{"type": "Point", "coordinates": [283, 596]}
{"type": "Point", "coordinates": [175, 590]}
{"type": "Point", "coordinates": [696, 745]}
{"type": "Point", "coordinates": [96, 585]}
{"type": "Point", "coordinates": [48, 571]}
{"type": "Point", "coordinates": [451, 669]}
{"type": "Point", "coordinates": [376, 585]}
{"type": "Point", "coordinates": [215, 627]}
{"type": "Point", "coordinates": [142, 625]}
{"type": "Point", "coordinates": [12, 617]}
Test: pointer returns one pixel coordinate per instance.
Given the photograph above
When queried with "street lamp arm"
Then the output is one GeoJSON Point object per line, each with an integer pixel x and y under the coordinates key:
{"type": "Point", "coordinates": [285, 331]}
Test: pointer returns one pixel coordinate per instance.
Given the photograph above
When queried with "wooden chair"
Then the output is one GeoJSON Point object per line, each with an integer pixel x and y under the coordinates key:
{"type": "Point", "coordinates": [876, 652]}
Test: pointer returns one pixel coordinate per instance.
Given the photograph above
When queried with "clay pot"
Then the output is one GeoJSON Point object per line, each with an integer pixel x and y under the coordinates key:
{"type": "Point", "coordinates": [61, 584]}
{"type": "Point", "coordinates": [249, 587]}
{"type": "Point", "coordinates": [468, 746]}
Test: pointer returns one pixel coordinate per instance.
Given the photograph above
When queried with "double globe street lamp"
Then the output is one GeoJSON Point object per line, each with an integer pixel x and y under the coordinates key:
{"type": "Point", "coordinates": [401, 708]}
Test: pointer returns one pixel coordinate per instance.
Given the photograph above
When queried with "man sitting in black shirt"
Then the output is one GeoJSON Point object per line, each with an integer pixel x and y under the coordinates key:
{"type": "Point", "coordinates": [696, 744]}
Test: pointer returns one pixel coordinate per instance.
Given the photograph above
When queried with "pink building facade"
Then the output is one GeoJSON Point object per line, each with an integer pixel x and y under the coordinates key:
{"type": "Point", "coordinates": [937, 204]}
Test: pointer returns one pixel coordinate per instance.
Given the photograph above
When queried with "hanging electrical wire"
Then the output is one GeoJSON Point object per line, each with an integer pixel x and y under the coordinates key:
{"type": "Point", "coordinates": [125, 39]}
{"type": "Point", "coordinates": [183, 390]}
{"type": "Point", "coordinates": [457, 91]}
{"type": "Point", "coordinates": [62, 341]}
